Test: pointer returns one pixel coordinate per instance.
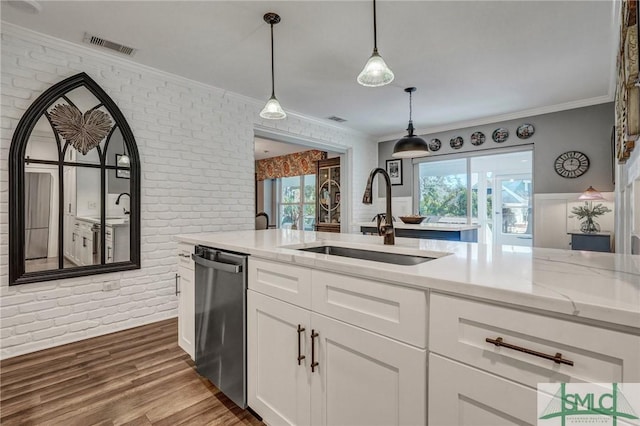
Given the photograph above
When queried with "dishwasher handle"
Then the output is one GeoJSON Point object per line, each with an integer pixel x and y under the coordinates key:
{"type": "Point", "coordinates": [226, 267]}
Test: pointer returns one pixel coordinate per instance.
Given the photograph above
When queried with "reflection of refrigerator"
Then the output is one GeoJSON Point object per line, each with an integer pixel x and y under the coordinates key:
{"type": "Point", "coordinates": [37, 210]}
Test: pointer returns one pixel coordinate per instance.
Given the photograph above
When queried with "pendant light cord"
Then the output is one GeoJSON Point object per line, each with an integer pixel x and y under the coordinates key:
{"type": "Point", "coordinates": [410, 127]}
{"type": "Point", "coordinates": [375, 29]}
{"type": "Point", "coordinates": [273, 84]}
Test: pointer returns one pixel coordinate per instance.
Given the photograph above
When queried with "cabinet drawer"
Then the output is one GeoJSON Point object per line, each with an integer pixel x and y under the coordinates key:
{"type": "Point", "coordinates": [285, 282]}
{"type": "Point", "coordinates": [459, 327]}
{"type": "Point", "coordinates": [393, 311]}
{"type": "Point", "coordinates": [184, 256]}
{"type": "Point", "coordinates": [464, 396]}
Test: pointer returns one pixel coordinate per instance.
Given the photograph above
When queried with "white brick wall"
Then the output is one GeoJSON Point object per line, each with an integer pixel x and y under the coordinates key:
{"type": "Point", "coordinates": [196, 149]}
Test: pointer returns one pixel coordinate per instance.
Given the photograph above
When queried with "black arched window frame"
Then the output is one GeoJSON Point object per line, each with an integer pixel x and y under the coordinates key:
{"type": "Point", "coordinates": [17, 161]}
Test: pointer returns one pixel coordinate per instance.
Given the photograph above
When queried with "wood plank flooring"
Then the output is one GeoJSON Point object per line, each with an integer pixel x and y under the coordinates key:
{"type": "Point", "coordinates": [134, 377]}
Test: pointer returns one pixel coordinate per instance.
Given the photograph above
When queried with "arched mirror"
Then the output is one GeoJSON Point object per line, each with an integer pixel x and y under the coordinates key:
{"type": "Point", "coordinates": [74, 183]}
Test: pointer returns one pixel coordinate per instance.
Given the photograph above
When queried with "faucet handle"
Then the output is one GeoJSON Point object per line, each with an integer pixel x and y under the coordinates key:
{"type": "Point", "coordinates": [379, 223]}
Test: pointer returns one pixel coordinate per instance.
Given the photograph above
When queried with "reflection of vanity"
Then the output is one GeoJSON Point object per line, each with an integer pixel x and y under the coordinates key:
{"type": "Point", "coordinates": [82, 213]}
{"type": "Point", "coordinates": [328, 195]}
{"type": "Point", "coordinates": [85, 241]}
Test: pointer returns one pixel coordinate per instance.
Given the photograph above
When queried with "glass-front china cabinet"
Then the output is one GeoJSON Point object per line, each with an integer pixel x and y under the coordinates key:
{"type": "Point", "coordinates": [328, 195]}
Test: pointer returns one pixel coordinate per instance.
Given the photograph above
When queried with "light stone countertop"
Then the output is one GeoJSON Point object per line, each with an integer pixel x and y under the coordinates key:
{"type": "Point", "coordinates": [590, 285]}
{"type": "Point", "coordinates": [426, 226]}
{"type": "Point", "coordinates": [113, 222]}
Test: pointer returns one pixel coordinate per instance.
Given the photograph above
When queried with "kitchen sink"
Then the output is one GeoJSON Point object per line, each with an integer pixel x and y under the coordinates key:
{"type": "Point", "coordinates": [375, 256]}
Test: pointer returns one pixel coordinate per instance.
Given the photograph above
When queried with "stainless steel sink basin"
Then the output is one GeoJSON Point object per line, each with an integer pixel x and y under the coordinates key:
{"type": "Point", "coordinates": [375, 256]}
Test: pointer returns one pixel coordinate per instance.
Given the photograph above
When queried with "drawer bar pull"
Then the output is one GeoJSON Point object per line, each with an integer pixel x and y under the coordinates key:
{"type": "Point", "coordinates": [314, 363]}
{"type": "Point", "coordinates": [557, 358]}
{"type": "Point", "coordinates": [300, 356]}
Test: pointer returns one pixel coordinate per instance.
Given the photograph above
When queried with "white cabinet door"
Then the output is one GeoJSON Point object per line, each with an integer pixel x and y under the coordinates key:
{"type": "Point", "coordinates": [278, 383]}
{"type": "Point", "coordinates": [460, 395]}
{"type": "Point", "coordinates": [363, 378]}
{"type": "Point", "coordinates": [186, 310]}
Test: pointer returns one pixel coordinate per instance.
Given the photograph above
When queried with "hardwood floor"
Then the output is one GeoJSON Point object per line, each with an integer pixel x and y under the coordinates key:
{"type": "Point", "coordinates": [134, 377]}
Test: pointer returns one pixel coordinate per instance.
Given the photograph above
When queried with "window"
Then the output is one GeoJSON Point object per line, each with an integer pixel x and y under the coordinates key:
{"type": "Point", "coordinates": [297, 202]}
{"type": "Point", "coordinates": [443, 191]}
{"type": "Point", "coordinates": [493, 191]}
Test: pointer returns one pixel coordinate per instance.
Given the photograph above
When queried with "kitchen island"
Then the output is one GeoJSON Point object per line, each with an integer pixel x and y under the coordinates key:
{"type": "Point", "coordinates": [433, 231]}
{"type": "Point", "coordinates": [337, 340]}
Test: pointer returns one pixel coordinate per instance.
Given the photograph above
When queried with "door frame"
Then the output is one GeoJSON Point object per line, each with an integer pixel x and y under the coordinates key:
{"type": "Point", "coordinates": [346, 164]}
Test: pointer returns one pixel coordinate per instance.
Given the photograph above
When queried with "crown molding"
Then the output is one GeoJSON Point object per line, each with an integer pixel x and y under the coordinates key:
{"type": "Point", "coordinates": [505, 117]}
{"type": "Point", "coordinates": [130, 65]}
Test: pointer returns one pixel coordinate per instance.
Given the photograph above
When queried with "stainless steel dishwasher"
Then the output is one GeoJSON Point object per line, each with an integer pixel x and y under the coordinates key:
{"type": "Point", "coordinates": [220, 307]}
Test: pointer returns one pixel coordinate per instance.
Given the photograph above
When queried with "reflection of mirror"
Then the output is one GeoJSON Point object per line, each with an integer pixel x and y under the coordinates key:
{"type": "Point", "coordinates": [76, 214]}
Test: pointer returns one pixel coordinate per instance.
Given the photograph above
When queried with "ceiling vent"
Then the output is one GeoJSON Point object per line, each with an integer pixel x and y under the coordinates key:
{"type": "Point", "coordinates": [336, 119]}
{"type": "Point", "coordinates": [97, 41]}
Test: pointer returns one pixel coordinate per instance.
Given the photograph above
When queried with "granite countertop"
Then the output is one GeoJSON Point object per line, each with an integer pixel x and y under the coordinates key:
{"type": "Point", "coordinates": [590, 285]}
{"type": "Point", "coordinates": [425, 226]}
{"type": "Point", "coordinates": [113, 222]}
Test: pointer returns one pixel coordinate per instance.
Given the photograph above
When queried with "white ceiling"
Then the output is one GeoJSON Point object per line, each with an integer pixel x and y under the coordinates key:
{"type": "Point", "coordinates": [470, 60]}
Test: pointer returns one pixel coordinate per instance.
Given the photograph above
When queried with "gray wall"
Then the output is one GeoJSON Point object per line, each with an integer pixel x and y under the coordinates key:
{"type": "Point", "coordinates": [587, 130]}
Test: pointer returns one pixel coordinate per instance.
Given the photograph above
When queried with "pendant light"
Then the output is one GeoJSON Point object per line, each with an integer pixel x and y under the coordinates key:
{"type": "Point", "coordinates": [376, 72]}
{"type": "Point", "coordinates": [272, 110]}
{"type": "Point", "coordinates": [410, 146]}
{"type": "Point", "coordinates": [591, 194]}
{"type": "Point", "coordinates": [124, 160]}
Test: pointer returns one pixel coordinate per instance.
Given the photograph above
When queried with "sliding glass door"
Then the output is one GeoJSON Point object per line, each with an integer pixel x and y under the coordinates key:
{"type": "Point", "coordinates": [492, 191]}
{"type": "Point", "coordinates": [512, 217]}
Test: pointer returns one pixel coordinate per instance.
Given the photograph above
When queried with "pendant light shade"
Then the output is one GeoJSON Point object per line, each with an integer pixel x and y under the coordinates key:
{"type": "Point", "coordinates": [272, 110]}
{"type": "Point", "coordinates": [376, 72]}
{"type": "Point", "coordinates": [124, 161]}
{"type": "Point", "coordinates": [591, 194]}
{"type": "Point", "coordinates": [410, 146]}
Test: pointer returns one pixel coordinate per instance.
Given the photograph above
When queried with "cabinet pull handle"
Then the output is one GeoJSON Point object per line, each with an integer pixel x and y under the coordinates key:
{"type": "Point", "coordinates": [108, 253]}
{"type": "Point", "coordinates": [300, 356]}
{"type": "Point", "coordinates": [557, 358]}
{"type": "Point", "coordinates": [314, 363]}
{"type": "Point", "coordinates": [73, 238]}
{"type": "Point", "coordinates": [84, 241]}
{"type": "Point", "coordinates": [177, 291]}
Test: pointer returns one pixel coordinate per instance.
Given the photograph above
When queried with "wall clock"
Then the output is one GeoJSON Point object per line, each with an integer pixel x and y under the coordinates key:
{"type": "Point", "coordinates": [572, 164]}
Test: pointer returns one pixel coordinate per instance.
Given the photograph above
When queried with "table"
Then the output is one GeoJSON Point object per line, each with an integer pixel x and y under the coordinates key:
{"type": "Point", "coordinates": [596, 241]}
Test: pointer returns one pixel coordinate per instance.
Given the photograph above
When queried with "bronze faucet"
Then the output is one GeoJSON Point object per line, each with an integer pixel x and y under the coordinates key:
{"type": "Point", "coordinates": [385, 226]}
{"type": "Point", "coordinates": [118, 201]}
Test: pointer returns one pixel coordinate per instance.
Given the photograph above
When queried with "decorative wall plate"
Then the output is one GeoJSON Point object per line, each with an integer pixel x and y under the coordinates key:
{"type": "Point", "coordinates": [500, 135]}
{"type": "Point", "coordinates": [478, 138]}
{"type": "Point", "coordinates": [525, 131]}
{"type": "Point", "coordinates": [457, 142]}
{"type": "Point", "coordinates": [571, 164]}
{"type": "Point", "coordinates": [434, 144]}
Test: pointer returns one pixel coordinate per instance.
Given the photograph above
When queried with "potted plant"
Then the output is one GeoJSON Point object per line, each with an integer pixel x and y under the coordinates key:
{"type": "Point", "coordinates": [588, 212]}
